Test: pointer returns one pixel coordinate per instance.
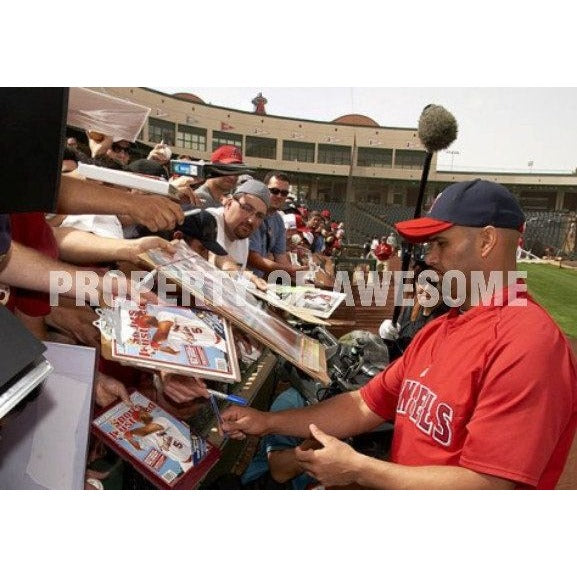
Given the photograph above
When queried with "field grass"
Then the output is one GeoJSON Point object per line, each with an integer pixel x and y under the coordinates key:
{"type": "Point", "coordinates": [555, 289]}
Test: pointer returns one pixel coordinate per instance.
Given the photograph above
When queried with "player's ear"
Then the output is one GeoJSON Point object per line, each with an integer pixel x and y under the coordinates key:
{"type": "Point", "coordinates": [487, 240]}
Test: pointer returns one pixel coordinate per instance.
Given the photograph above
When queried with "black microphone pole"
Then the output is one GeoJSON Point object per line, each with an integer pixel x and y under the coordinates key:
{"type": "Point", "coordinates": [407, 249]}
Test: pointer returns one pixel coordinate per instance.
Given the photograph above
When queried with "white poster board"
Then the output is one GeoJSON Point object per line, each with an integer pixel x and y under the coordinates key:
{"type": "Point", "coordinates": [45, 445]}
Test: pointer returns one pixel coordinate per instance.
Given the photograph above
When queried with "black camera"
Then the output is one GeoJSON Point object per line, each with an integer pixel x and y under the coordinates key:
{"type": "Point", "coordinates": [202, 170]}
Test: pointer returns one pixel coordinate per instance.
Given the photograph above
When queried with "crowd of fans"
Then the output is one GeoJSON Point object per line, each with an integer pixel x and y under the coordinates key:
{"type": "Point", "coordinates": [313, 230]}
{"type": "Point", "coordinates": [101, 229]}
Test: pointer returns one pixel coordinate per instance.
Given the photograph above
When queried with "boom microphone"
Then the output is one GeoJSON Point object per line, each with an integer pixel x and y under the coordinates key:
{"type": "Point", "coordinates": [437, 130]}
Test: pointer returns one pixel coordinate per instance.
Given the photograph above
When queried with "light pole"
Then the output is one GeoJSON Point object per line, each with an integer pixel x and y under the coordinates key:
{"type": "Point", "coordinates": [452, 153]}
{"type": "Point", "coordinates": [530, 165]}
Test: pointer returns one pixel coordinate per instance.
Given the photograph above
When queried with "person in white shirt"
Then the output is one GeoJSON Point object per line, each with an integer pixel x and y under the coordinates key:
{"type": "Point", "coordinates": [237, 219]}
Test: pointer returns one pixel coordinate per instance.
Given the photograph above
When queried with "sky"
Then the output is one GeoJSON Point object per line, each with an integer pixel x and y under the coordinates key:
{"type": "Point", "coordinates": [499, 129]}
{"type": "Point", "coordinates": [449, 45]}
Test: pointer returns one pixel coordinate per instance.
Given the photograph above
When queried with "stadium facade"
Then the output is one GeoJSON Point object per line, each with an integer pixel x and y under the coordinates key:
{"type": "Point", "coordinates": [349, 162]}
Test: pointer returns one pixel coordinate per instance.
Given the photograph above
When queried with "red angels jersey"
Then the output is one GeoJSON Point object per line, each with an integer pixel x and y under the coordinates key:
{"type": "Point", "coordinates": [493, 390]}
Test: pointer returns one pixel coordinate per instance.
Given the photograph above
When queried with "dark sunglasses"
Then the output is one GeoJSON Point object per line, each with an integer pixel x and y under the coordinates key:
{"type": "Point", "coordinates": [279, 191]}
{"type": "Point", "coordinates": [118, 148]}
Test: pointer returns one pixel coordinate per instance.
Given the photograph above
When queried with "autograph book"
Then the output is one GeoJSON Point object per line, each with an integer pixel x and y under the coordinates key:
{"type": "Point", "coordinates": [233, 301]}
{"type": "Point", "coordinates": [181, 340]}
{"type": "Point", "coordinates": [155, 443]}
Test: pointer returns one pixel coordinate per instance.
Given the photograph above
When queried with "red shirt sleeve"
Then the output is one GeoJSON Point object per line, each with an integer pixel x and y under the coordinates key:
{"type": "Point", "coordinates": [381, 393]}
{"type": "Point", "coordinates": [32, 230]}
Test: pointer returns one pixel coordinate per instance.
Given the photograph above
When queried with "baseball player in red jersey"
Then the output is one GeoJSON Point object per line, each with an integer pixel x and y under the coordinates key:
{"type": "Point", "coordinates": [485, 397]}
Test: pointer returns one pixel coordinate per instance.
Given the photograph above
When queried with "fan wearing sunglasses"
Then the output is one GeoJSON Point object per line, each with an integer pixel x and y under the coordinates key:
{"type": "Point", "coordinates": [115, 148]}
{"type": "Point", "coordinates": [267, 247]}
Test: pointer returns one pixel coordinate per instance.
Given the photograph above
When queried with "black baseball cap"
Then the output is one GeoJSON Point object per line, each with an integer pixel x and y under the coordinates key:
{"type": "Point", "coordinates": [202, 226]}
{"type": "Point", "coordinates": [148, 167]}
{"type": "Point", "coordinates": [4, 234]}
{"type": "Point", "coordinates": [474, 203]}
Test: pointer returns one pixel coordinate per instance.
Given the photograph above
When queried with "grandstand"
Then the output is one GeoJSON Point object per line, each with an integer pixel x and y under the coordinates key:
{"type": "Point", "coordinates": [363, 222]}
{"type": "Point", "coordinates": [547, 232]}
{"type": "Point", "coordinates": [337, 209]}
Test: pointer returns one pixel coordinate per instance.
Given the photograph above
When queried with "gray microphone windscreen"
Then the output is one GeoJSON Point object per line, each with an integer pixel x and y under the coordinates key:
{"type": "Point", "coordinates": [437, 128]}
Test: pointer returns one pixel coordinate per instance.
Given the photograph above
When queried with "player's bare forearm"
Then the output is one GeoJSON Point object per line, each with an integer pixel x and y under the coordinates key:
{"type": "Point", "coordinates": [342, 416]}
{"type": "Point", "coordinates": [375, 474]}
{"type": "Point", "coordinates": [336, 464]}
{"type": "Point", "coordinates": [162, 331]}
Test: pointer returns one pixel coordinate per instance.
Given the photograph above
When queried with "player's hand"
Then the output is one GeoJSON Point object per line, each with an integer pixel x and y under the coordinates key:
{"type": "Point", "coordinates": [182, 388]}
{"type": "Point", "coordinates": [308, 444]}
{"type": "Point", "coordinates": [238, 422]}
{"type": "Point", "coordinates": [332, 465]}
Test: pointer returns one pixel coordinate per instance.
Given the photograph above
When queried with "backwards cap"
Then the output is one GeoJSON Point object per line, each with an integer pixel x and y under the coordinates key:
{"type": "Point", "coordinates": [255, 188]}
{"type": "Point", "coordinates": [203, 226]}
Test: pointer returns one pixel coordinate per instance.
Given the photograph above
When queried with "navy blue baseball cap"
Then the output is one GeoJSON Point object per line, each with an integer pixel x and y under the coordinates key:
{"type": "Point", "coordinates": [474, 203]}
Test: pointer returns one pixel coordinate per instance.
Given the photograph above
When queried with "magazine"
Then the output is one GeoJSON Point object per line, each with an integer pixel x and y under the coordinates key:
{"type": "Point", "coordinates": [272, 298]}
{"type": "Point", "coordinates": [158, 445]}
{"type": "Point", "coordinates": [303, 300]}
{"type": "Point", "coordinates": [181, 340]}
{"type": "Point", "coordinates": [232, 300]}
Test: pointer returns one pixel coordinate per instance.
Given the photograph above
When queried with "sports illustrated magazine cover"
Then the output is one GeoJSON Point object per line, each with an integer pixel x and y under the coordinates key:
{"type": "Point", "coordinates": [189, 341]}
{"type": "Point", "coordinates": [155, 443]}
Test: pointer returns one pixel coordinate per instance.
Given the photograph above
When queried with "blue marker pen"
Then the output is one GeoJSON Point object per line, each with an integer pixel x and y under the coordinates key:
{"type": "Point", "coordinates": [230, 398]}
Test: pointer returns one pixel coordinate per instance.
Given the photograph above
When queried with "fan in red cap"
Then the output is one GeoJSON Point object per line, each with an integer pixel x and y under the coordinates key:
{"type": "Point", "coordinates": [227, 154]}
{"type": "Point", "coordinates": [212, 192]}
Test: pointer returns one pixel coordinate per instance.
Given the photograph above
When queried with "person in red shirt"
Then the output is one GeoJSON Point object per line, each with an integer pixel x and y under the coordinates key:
{"type": "Point", "coordinates": [31, 229]}
{"type": "Point", "coordinates": [485, 396]}
{"type": "Point", "coordinates": [383, 252]}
